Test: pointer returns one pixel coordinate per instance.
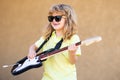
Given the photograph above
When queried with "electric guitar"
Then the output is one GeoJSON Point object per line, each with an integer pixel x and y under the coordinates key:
{"type": "Point", "coordinates": [25, 64]}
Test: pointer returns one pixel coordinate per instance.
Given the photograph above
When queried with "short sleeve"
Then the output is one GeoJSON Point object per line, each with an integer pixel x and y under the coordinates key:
{"type": "Point", "coordinates": [39, 42]}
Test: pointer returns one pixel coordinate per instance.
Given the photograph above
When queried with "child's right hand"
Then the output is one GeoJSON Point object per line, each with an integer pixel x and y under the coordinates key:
{"type": "Point", "coordinates": [32, 52]}
{"type": "Point", "coordinates": [31, 55]}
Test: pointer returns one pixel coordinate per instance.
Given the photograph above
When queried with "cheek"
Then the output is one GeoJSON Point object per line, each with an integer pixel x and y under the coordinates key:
{"type": "Point", "coordinates": [63, 22]}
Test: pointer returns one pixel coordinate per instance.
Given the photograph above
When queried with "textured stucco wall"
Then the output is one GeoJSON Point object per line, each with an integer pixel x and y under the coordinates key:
{"type": "Point", "coordinates": [22, 21]}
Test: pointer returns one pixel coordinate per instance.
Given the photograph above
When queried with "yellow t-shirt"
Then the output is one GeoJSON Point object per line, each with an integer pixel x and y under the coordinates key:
{"type": "Point", "coordinates": [58, 66]}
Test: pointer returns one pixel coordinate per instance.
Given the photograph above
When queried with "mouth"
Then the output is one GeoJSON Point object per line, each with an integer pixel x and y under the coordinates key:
{"type": "Point", "coordinates": [56, 24]}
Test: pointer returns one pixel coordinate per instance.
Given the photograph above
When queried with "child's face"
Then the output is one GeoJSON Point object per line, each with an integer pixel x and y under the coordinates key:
{"type": "Point", "coordinates": [58, 21]}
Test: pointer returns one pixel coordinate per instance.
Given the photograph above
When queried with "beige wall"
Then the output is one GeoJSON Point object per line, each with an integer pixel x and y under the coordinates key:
{"type": "Point", "coordinates": [22, 21]}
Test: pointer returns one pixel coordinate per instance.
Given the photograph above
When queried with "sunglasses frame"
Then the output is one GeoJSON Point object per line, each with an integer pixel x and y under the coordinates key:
{"type": "Point", "coordinates": [57, 18]}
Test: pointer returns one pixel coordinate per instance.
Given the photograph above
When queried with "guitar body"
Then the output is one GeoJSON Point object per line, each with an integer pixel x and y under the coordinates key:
{"type": "Point", "coordinates": [26, 64]}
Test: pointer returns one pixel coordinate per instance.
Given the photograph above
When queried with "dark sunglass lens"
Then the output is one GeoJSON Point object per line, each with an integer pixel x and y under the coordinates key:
{"type": "Point", "coordinates": [50, 18]}
{"type": "Point", "coordinates": [58, 18]}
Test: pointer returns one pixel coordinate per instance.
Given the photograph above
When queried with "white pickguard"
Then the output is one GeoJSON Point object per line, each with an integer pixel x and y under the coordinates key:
{"type": "Point", "coordinates": [27, 63]}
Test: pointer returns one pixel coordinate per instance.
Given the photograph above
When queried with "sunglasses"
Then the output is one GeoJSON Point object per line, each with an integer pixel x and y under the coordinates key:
{"type": "Point", "coordinates": [57, 18]}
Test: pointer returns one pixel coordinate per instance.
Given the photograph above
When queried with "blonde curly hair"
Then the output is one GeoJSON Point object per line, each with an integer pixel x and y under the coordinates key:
{"type": "Point", "coordinates": [70, 27]}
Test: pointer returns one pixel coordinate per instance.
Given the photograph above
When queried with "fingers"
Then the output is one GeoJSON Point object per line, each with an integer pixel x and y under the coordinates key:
{"type": "Point", "coordinates": [72, 47]}
{"type": "Point", "coordinates": [32, 51]}
{"type": "Point", "coordinates": [31, 55]}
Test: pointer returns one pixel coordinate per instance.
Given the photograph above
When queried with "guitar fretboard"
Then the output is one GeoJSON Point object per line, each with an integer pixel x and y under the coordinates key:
{"type": "Point", "coordinates": [44, 56]}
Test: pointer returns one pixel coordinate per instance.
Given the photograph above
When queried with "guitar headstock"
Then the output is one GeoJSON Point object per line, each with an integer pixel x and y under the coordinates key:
{"type": "Point", "coordinates": [91, 40]}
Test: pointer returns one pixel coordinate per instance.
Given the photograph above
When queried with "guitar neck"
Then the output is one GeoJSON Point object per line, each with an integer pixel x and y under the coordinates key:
{"type": "Point", "coordinates": [44, 56]}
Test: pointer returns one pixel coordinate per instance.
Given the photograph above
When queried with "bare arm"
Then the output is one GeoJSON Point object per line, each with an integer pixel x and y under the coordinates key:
{"type": "Point", "coordinates": [32, 51]}
{"type": "Point", "coordinates": [72, 53]}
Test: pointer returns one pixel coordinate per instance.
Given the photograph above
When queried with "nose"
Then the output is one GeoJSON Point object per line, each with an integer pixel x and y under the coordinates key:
{"type": "Point", "coordinates": [54, 20]}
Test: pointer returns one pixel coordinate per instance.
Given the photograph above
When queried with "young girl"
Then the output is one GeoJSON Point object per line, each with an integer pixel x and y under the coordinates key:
{"type": "Point", "coordinates": [62, 25]}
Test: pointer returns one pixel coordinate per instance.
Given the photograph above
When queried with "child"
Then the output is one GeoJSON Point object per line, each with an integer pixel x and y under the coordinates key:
{"type": "Point", "coordinates": [62, 25]}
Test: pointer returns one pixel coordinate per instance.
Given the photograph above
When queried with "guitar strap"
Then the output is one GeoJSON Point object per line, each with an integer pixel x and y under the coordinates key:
{"type": "Point", "coordinates": [45, 41]}
{"type": "Point", "coordinates": [58, 45]}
